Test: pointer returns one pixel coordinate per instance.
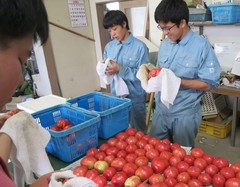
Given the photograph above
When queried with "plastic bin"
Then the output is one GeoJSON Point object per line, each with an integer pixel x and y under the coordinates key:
{"type": "Point", "coordinates": [199, 14]}
{"type": "Point", "coordinates": [114, 112]}
{"type": "Point", "coordinates": [74, 142]}
{"type": "Point", "coordinates": [215, 128]}
{"type": "Point", "coordinates": [225, 13]}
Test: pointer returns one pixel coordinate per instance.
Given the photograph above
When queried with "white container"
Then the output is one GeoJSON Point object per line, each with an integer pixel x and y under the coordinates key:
{"type": "Point", "coordinates": [41, 103]}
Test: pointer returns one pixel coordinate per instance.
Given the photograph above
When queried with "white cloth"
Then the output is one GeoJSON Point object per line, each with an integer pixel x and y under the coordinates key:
{"type": "Point", "coordinates": [120, 86]}
{"type": "Point", "coordinates": [166, 82]}
{"type": "Point", "coordinates": [73, 181]}
{"type": "Point", "coordinates": [142, 74]}
{"type": "Point", "coordinates": [28, 151]}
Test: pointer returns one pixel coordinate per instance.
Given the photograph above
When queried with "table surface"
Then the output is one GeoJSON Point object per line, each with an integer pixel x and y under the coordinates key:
{"type": "Point", "coordinates": [226, 90]}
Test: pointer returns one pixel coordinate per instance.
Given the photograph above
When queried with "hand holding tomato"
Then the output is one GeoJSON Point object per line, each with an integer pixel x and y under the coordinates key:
{"type": "Point", "coordinates": [154, 72]}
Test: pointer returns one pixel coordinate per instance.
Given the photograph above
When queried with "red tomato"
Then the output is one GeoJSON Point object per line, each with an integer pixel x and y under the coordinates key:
{"type": "Point", "coordinates": [166, 154]}
{"type": "Point", "coordinates": [112, 151]}
{"type": "Point", "coordinates": [141, 161]}
{"type": "Point", "coordinates": [141, 143]}
{"type": "Point", "coordinates": [220, 162]}
{"type": "Point", "coordinates": [235, 166]}
{"type": "Point", "coordinates": [174, 146]}
{"type": "Point", "coordinates": [131, 157]}
{"type": "Point", "coordinates": [205, 179]}
{"type": "Point", "coordinates": [92, 151]}
{"type": "Point", "coordinates": [195, 183]}
{"type": "Point", "coordinates": [121, 144]}
{"type": "Point", "coordinates": [100, 180]}
{"type": "Point", "coordinates": [161, 146]}
{"type": "Point", "coordinates": [166, 141]}
{"type": "Point", "coordinates": [140, 152]}
{"type": "Point", "coordinates": [174, 160]}
{"type": "Point", "coordinates": [131, 139]}
{"type": "Point", "coordinates": [112, 141]}
{"type": "Point", "coordinates": [183, 177]}
{"type": "Point", "coordinates": [180, 152]}
{"type": "Point", "coordinates": [80, 171]}
{"type": "Point", "coordinates": [109, 159]}
{"type": "Point", "coordinates": [151, 154]}
{"type": "Point", "coordinates": [88, 161]}
{"type": "Point", "coordinates": [155, 178]}
{"type": "Point", "coordinates": [143, 184]}
{"type": "Point", "coordinates": [122, 154]}
{"type": "Point", "coordinates": [91, 174]}
{"type": "Point", "coordinates": [218, 180]}
{"type": "Point", "coordinates": [148, 146]}
{"type": "Point", "coordinates": [182, 166]}
{"type": "Point", "coordinates": [67, 127]}
{"type": "Point", "coordinates": [159, 164]}
{"type": "Point", "coordinates": [61, 123]}
{"type": "Point", "coordinates": [118, 163]}
{"type": "Point", "coordinates": [200, 163]}
{"type": "Point", "coordinates": [153, 141]}
{"type": "Point", "coordinates": [122, 136]}
{"type": "Point", "coordinates": [189, 159]}
{"type": "Point", "coordinates": [131, 148]}
{"type": "Point", "coordinates": [233, 182]}
{"type": "Point", "coordinates": [144, 172]}
{"type": "Point", "coordinates": [14, 111]}
{"type": "Point", "coordinates": [227, 172]}
{"type": "Point", "coordinates": [109, 172]}
{"type": "Point", "coordinates": [194, 171]}
{"type": "Point", "coordinates": [139, 134]}
{"type": "Point", "coordinates": [146, 137]}
{"type": "Point", "coordinates": [209, 158]}
{"type": "Point", "coordinates": [131, 131]}
{"type": "Point", "coordinates": [211, 169]}
{"type": "Point", "coordinates": [119, 178]}
{"type": "Point", "coordinates": [197, 152]}
{"type": "Point", "coordinates": [104, 147]}
{"type": "Point", "coordinates": [129, 168]}
{"type": "Point", "coordinates": [171, 182]}
{"type": "Point", "coordinates": [100, 155]}
{"type": "Point", "coordinates": [170, 172]}
{"type": "Point", "coordinates": [154, 72]}
{"type": "Point", "coordinates": [55, 128]}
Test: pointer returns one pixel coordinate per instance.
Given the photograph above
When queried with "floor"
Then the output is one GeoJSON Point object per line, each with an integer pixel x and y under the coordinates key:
{"type": "Point", "coordinates": [220, 147]}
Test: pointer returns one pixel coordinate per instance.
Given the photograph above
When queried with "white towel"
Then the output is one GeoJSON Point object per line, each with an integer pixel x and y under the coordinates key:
{"type": "Point", "coordinates": [73, 181]}
{"type": "Point", "coordinates": [120, 86]}
{"type": "Point", "coordinates": [28, 151]}
{"type": "Point", "coordinates": [166, 82]}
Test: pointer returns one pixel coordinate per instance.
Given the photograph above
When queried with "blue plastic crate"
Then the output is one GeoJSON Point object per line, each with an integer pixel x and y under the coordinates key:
{"type": "Point", "coordinates": [114, 112]}
{"type": "Point", "coordinates": [225, 13]}
{"type": "Point", "coordinates": [74, 142]}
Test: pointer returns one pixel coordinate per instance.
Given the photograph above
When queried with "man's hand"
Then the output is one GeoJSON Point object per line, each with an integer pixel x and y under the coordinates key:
{"type": "Point", "coordinates": [113, 69]}
{"type": "Point", "coordinates": [42, 181]}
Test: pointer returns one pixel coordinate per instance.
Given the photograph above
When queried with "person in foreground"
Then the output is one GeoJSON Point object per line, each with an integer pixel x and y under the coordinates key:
{"type": "Point", "coordinates": [192, 59]}
{"type": "Point", "coordinates": [127, 54]}
{"type": "Point", "coordinates": [22, 23]}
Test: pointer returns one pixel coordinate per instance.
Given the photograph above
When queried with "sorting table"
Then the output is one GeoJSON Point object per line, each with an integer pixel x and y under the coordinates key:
{"type": "Point", "coordinates": [235, 93]}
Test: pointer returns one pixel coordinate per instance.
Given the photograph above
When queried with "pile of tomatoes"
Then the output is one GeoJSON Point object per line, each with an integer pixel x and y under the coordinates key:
{"type": "Point", "coordinates": [134, 159]}
{"type": "Point", "coordinates": [61, 124]}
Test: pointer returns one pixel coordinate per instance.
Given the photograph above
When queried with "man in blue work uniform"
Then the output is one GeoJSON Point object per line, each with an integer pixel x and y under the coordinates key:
{"type": "Point", "coordinates": [128, 54]}
{"type": "Point", "coordinates": [192, 59]}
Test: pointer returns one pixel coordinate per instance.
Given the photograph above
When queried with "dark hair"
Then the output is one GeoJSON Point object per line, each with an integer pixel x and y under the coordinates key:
{"type": "Point", "coordinates": [172, 10]}
{"type": "Point", "coordinates": [115, 17]}
{"type": "Point", "coordinates": [19, 18]}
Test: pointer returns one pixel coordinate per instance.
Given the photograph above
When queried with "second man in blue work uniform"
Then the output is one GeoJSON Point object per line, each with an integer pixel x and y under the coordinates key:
{"type": "Point", "coordinates": [192, 59]}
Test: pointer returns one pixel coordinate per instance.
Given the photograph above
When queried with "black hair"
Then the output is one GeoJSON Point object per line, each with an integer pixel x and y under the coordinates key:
{"type": "Point", "coordinates": [171, 10]}
{"type": "Point", "coordinates": [18, 18]}
{"type": "Point", "coordinates": [115, 17]}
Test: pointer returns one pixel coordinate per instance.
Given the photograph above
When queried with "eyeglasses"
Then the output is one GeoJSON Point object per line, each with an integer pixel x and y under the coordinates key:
{"type": "Point", "coordinates": [166, 29]}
